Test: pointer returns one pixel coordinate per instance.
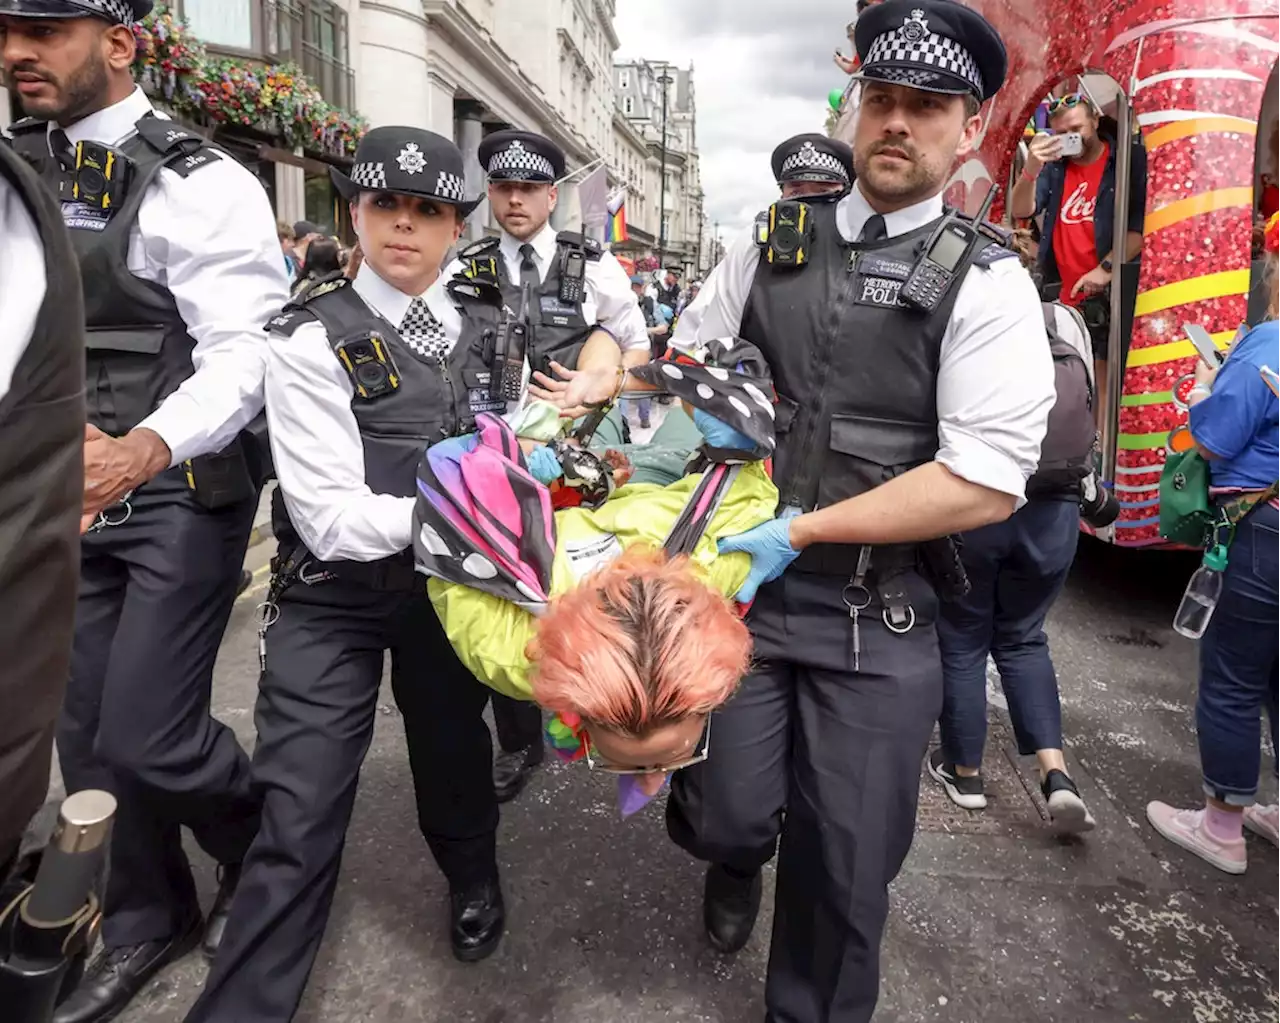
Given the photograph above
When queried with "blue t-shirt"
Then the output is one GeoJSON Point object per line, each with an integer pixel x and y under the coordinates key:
{"type": "Point", "coordinates": [1240, 421]}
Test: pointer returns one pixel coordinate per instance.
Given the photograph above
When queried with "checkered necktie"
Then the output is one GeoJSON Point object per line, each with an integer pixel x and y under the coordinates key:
{"type": "Point", "coordinates": [422, 332]}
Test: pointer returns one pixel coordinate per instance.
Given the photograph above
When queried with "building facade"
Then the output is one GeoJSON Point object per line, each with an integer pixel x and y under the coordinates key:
{"type": "Point", "coordinates": [657, 106]}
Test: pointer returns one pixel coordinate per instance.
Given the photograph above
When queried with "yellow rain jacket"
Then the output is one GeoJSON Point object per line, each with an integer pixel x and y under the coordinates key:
{"type": "Point", "coordinates": [490, 634]}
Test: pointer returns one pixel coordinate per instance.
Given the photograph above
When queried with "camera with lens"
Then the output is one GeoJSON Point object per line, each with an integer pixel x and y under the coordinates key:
{"type": "Point", "coordinates": [790, 234]}
{"type": "Point", "coordinates": [100, 177]}
{"type": "Point", "coordinates": [369, 364]}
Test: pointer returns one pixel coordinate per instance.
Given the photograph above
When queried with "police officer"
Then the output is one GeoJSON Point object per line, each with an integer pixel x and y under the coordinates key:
{"type": "Point", "coordinates": [811, 165]}
{"type": "Point", "coordinates": [362, 376]}
{"type": "Point", "coordinates": [904, 413]}
{"type": "Point", "coordinates": [41, 481]}
{"type": "Point", "coordinates": [573, 286]}
{"type": "Point", "coordinates": [181, 267]}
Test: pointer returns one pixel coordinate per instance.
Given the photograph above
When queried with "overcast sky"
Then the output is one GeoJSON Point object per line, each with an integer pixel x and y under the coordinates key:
{"type": "Point", "coordinates": [762, 72]}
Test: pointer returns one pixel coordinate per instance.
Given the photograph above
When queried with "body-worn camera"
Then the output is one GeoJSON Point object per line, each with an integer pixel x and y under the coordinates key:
{"type": "Point", "coordinates": [100, 177]}
{"type": "Point", "coordinates": [368, 363]}
{"type": "Point", "coordinates": [790, 234]}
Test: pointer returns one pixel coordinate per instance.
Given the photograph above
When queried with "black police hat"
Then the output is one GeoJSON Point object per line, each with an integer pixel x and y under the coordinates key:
{"type": "Point", "coordinates": [407, 161]}
{"type": "Point", "coordinates": [118, 12]}
{"type": "Point", "coordinates": [512, 155]}
{"type": "Point", "coordinates": [813, 158]}
{"type": "Point", "coordinates": [932, 45]}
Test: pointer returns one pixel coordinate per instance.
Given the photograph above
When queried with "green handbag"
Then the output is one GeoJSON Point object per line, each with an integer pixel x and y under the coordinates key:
{"type": "Point", "coordinates": [1186, 514]}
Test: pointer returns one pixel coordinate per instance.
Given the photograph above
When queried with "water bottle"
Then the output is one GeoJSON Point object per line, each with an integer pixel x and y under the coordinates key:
{"type": "Point", "coordinates": [1201, 595]}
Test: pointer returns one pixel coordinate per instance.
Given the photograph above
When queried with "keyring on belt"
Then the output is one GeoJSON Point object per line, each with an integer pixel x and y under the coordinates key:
{"type": "Point", "coordinates": [900, 630]}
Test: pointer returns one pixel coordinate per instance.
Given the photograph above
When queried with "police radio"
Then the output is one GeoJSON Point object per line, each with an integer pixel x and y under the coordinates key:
{"type": "Point", "coordinates": [506, 377]}
{"type": "Point", "coordinates": [945, 258]}
{"type": "Point", "coordinates": [368, 363]}
{"type": "Point", "coordinates": [100, 176]}
{"type": "Point", "coordinates": [790, 233]}
{"type": "Point", "coordinates": [573, 272]}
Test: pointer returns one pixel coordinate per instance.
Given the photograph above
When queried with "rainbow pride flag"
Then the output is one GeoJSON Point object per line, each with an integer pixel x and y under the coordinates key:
{"type": "Point", "coordinates": [616, 230]}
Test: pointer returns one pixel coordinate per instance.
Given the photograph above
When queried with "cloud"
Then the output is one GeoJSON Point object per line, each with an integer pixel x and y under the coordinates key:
{"type": "Point", "coordinates": [762, 72]}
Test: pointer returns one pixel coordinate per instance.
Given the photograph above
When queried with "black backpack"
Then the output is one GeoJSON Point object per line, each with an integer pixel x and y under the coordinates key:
{"type": "Point", "coordinates": [1066, 455]}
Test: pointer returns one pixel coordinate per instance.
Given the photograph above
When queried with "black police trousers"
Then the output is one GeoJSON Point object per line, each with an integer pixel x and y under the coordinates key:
{"type": "Point", "coordinates": [829, 759]}
{"type": "Point", "coordinates": [518, 723]}
{"type": "Point", "coordinates": [155, 595]}
{"type": "Point", "coordinates": [315, 715]}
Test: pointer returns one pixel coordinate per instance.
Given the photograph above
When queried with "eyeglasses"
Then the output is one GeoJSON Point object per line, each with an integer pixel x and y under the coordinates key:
{"type": "Point", "coordinates": [1067, 102]}
{"type": "Point", "coordinates": [700, 753]}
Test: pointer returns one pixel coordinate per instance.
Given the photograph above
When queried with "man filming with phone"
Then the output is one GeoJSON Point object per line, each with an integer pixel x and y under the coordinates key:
{"type": "Point", "coordinates": [1070, 178]}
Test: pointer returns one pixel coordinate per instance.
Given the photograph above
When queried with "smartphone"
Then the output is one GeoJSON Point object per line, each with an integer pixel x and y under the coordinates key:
{"type": "Point", "coordinates": [1204, 346]}
{"type": "Point", "coordinates": [1272, 379]}
{"type": "Point", "coordinates": [1072, 144]}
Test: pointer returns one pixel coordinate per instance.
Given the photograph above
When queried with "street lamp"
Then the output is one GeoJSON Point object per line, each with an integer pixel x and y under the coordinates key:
{"type": "Point", "coordinates": [664, 80]}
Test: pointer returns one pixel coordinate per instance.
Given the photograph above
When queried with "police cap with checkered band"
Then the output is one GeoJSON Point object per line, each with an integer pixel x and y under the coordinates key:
{"type": "Point", "coordinates": [406, 161]}
{"type": "Point", "coordinates": [512, 155]}
{"type": "Point", "coordinates": [932, 45]}
{"type": "Point", "coordinates": [813, 158]}
{"type": "Point", "coordinates": [117, 12]}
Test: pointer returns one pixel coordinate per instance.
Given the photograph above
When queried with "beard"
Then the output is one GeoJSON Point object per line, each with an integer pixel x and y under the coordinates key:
{"type": "Point", "coordinates": [914, 178]}
{"type": "Point", "coordinates": [80, 94]}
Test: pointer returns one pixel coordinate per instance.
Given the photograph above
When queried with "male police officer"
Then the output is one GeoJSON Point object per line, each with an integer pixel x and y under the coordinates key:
{"type": "Point", "coordinates": [907, 408]}
{"type": "Point", "coordinates": [362, 377]}
{"type": "Point", "coordinates": [812, 165]}
{"type": "Point", "coordinates": [181, 267]}
{"type": "Point", "coordinates": [41, 482]}
{"type": "Point", "coordinates": [572, 287]}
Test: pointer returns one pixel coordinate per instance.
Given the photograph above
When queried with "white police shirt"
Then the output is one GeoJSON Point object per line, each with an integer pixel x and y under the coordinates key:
{"type": "Point", "coordinates": [315, 440]}
{"type": "Point", "coordinates": [609, 302]}
{"type": "Point", "coordinates": [995, 377]}
{"type": "Point", "coordinates": [22, 281]}
{"type": "Point", "coordinates": [210, 239]}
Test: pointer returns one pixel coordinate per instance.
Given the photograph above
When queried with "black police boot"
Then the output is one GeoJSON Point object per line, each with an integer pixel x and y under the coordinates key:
{"type": "Point", "coordinates": [216, 923]}
{"type": "Point", "coordinates": [117, 974]}
{"type": "Point", "coordinates": [512, 771]}
{"type": "Point", "coordinates": [730, 904]}
{"type": "Point", "coordinates": [477, 919]}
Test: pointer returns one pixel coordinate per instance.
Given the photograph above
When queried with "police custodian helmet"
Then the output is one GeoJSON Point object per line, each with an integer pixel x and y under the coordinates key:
{"type": "Point", "coordinates": [407, 161]}
{"type": "Point", "coordinates": [118, 12]}
{"type": "Point", "coordinates": [932, 45]}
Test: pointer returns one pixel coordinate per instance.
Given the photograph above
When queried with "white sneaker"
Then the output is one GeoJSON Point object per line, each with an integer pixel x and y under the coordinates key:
{"type": "Point", "coordinates": [1186, 828]}
{"type": "Point", "coordinates": [1264, 821]}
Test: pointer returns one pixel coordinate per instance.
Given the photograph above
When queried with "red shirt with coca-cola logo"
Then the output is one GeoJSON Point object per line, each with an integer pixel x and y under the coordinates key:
{"type": "Point", "coordinates": [1074, 249]}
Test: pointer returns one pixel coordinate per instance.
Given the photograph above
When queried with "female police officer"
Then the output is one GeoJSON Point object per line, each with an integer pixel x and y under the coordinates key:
{"type": "Point", "coordinates": [907, 409]}
{"type": "Point", "coordinates": [362, 376]}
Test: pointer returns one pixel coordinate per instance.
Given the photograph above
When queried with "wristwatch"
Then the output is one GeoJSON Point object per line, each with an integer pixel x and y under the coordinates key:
{"type": "Point", "coordinates": [1106, 265]}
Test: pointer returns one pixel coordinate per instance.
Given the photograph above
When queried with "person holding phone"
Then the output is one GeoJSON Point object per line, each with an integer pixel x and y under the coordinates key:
{"type": "Point", "coordinates": [1073, 186]}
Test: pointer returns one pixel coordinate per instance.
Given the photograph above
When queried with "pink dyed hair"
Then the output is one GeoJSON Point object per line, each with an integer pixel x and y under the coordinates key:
{"type": "Point", "coordinates": [639, 644]}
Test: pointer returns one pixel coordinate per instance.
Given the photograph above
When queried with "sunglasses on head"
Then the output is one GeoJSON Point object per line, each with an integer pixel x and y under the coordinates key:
{"type": "Point", "coordinates": [1067, 102]}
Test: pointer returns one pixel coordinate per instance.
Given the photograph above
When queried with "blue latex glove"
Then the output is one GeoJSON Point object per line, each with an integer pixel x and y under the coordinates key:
{"type": "Point", "coordinates": [543, 465]}
{"type": "Point", "coordinates": [769, 545]}
{"type": "Point", "coordinates": [720, 434]}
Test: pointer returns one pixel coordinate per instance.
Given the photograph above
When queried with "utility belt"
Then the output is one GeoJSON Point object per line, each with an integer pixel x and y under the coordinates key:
{"type": "Point", "coordinates": [295, 564]}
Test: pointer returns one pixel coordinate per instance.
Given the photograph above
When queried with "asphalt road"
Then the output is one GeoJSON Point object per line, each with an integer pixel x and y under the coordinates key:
{"type": "Point", "coordinates": [993, 918]}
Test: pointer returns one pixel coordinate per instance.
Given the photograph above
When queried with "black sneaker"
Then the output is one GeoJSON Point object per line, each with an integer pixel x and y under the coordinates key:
{"type": "Point", "coordinates": [965, 792]}
{"type": "Point", "coordinates": [1066, 809]}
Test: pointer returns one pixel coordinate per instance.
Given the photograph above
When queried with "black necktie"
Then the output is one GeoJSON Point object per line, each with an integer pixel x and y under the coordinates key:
{"type": "Point", "coordinates": [528, 268]}
{"type": "Point", "coordinates": [63, 151]}
{"type": "Point", "coordinates": [874, 230]}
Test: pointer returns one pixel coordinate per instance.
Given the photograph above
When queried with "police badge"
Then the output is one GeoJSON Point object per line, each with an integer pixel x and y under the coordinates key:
{"type": "Point", "coordinates": [915, 29]}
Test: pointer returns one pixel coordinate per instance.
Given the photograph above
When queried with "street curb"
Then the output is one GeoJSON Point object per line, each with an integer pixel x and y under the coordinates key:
{"type": "Point", "coordinates": [260, 534]}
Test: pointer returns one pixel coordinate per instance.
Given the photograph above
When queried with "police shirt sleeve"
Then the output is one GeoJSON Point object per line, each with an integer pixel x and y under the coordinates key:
{"type": "Point", "coordinates": [685, 335]}
{"type": "Point", "coordinates": [319, 458]}
{"type": "Point", "coordinates": [22, 280]}
{"type": "Point", "coordinates": [995, 380]}
{"type": "Point", "coordinates": [616, 307]}
{"type": "Point", "coordinates": [210, 238]}
{"type": "Point", "coordinates": [723, 314]}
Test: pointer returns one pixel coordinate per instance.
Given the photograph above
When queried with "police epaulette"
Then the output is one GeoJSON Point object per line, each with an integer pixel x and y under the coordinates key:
{"type": "Point", "coordinates": [479, 289]}
{"type": "Point", "coordinates": [27, 124]}
{"type": "Point", "coordinates": [480, 248]}
{"type": "Point", "coordinates": [992, 253]}
{"type": "Point", "coordinates": [185, 151]}
{"type": "Point", "coordinates": [289, 320]}
{"type": "Point", "coordinates": [592, 248]}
